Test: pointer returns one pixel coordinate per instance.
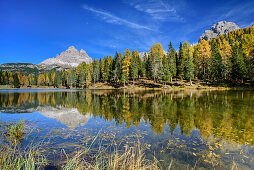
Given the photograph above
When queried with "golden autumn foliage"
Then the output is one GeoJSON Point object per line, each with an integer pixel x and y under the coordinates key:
{"type": "Point", "coordinates": [26, 82]}
{"type": "Point", "coordinates": [157, 49]}
{"type": "Point", "coordinates": [126, 62]}
{"type": "Point", "coordinates": [203, 56]}
{"type": "Point", "coordinates": [41, 80]}
{"type": "Point", "coordinates": [135, 53]}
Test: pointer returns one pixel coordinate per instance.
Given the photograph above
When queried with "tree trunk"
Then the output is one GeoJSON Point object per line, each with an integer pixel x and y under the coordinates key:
{"type": "Point", "coordinates": [204, 75]}
{"type": "Point", "coordinates": [171, 79]}
{"type": "Point", "coordinates": [190, 82]}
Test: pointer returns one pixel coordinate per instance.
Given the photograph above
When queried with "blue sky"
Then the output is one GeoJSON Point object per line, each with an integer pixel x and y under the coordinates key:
{"type": "Point", "coordinates": [34, 30]}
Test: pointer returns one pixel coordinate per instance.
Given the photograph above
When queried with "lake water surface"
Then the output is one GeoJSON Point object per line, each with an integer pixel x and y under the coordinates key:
{"type": "Point", "coordinates": [187, 129]}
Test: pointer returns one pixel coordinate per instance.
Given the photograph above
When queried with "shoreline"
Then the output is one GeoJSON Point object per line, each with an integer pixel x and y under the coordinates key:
{"type": "Point", "coordinates": [143, 84]}
{"type": "Point", "coordinates": [130, 88]}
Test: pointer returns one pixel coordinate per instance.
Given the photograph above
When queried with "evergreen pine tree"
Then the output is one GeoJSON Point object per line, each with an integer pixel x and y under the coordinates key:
{"type": "Point", "coordinates": [1, 77]}
{"type": "Point", "coordinates": [188, 68]}
{"type": "Point", "coordinates": [167, 75]}
{"type": "Point", "coordinates": [117, 66]}
{"type": "Point", "coordinates": [217, 67]}
{"type": "Point", "coordinates": [239, 68]}
{"type": "Point", "coordinates": [171, 61]}
{"type": "Point", "coordinates": [58, 78]}
{"type": "Point", "coordinates": [16, 82]}
{"type": "Point", "coordinates": [180, 62]}
{"type": "Point", "coordinates": [134, 65]}
{"type": "Point", "coordinates": [96, 71]}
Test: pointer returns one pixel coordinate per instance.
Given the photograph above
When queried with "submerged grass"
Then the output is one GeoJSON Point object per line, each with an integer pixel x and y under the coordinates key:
{"type": "Point", "coordinates": [113, 156]}
{"type": "Point", "coordinates": [14, 155]}
{"type": "Point", "coordinates": [128, 158]}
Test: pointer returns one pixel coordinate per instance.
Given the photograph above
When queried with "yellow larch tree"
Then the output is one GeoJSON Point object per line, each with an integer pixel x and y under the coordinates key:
{"type": "Point", "coordinates": [203, 57]}
{"type": "Point", "coordinates": [126, 66]}
{"type": "Point", "coordinates": [26, 82]}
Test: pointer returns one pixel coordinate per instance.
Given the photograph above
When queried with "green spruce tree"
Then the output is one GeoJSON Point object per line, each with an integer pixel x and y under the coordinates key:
{"type": "Point", "coordinates": [180, 62]}
{"type": "Point", "coordinates": [188, 68]}
{"type": "Point", "coordinates": [239, 68]}
{"type": "Point", "coordinates": [171, 61]}
{"type": "Point", "coordinates": [217, 67]}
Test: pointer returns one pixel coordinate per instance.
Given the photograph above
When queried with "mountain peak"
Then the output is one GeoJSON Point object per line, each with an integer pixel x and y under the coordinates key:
{"type": "Point", "coordinates": [82, 51]}
{"type": "Point", "coordinates": [222, 27]}
{"type": "Point", "coordinates": [68, 59]}
{"type": "Point", "coordinates": [71, 48]}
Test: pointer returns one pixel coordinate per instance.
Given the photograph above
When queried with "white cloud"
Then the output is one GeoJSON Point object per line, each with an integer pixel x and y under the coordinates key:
{"type": "Point", "coordinates": [109, 18]}
{"type": "Point", "coordinates": [157, 9]}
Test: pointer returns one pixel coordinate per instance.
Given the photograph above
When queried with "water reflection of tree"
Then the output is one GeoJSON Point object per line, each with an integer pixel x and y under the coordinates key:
{"type": "Point", "coordinates": [227, 114]}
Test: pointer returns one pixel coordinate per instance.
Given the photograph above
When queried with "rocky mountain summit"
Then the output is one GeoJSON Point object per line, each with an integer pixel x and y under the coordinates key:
{"type": "Point", "coordinates": [222, 27]}
{"type": "Point", "coordinates": [68, 59]}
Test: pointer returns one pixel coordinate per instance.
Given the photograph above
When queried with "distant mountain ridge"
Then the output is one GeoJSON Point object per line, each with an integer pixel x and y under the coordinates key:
{"type": "Point", "coordinates": [24, 68]}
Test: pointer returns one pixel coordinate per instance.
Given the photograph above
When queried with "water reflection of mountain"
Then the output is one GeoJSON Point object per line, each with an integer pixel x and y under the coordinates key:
{"type": "Point", "coordinates": [70, 117]}
{"type": "Point", "coordinates": [225, 114]}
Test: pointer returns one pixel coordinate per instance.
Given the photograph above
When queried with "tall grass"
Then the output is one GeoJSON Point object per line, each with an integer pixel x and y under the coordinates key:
{"type": "Point", "coordinates": [12, 154]}
{"type": "Point", "coordinates": [131, 157]}
{"type": "Point", "coordinates": [15, 131]}
{"type": "Point", "coordinates": [14, 158]}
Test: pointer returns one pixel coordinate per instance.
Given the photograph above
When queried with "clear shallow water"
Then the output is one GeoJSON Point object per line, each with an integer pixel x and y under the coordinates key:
{"type": "Point", "coordinates": [201, 129]}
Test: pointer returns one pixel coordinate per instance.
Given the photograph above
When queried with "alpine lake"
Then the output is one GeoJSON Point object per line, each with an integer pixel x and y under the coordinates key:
{"type": "Point", "coordinates": [184, 129]}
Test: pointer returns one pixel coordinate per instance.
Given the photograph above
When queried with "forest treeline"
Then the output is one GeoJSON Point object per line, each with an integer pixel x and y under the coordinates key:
{"type": "Point", "coordinates": [225, 59]}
